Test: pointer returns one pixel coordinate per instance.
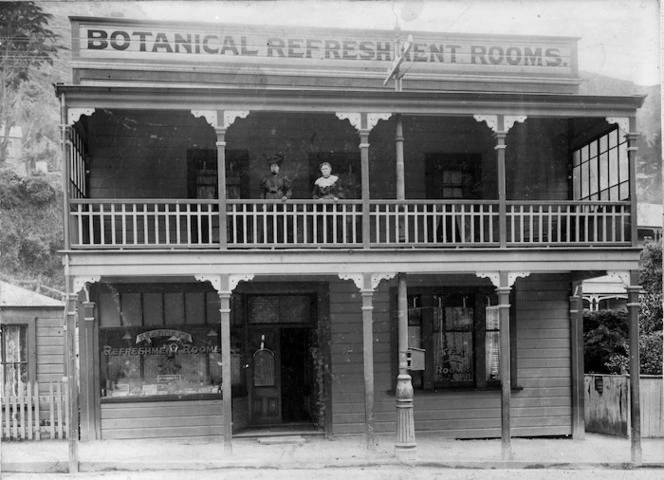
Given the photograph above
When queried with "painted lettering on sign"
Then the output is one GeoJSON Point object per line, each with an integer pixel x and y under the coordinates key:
{"type": "Point", "coordinates": [321, 49]}
{"type": "Point", "coordinates": [108, 350]}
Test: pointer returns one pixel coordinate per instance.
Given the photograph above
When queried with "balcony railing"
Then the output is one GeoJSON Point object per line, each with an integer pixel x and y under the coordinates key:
{"type": "Point", "coordinates": [260, 224]}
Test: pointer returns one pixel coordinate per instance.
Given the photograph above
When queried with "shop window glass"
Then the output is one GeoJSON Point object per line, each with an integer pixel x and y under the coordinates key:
{"type": "Point", "coordinates": [462, 348]}
{"type": "Point", "coordinates": [164, 340]}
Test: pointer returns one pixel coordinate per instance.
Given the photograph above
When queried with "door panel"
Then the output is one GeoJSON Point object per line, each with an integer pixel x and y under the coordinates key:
{"type": "Point", "coordinates": [265, 375]}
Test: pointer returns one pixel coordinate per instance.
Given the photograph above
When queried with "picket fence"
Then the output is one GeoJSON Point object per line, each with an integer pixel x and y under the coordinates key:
{"type": "Point", "coordinates": [34, 412]}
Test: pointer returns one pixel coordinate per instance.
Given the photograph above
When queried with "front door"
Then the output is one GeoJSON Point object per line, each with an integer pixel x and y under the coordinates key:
{"type": "Point", "coordinates": [280, 332]}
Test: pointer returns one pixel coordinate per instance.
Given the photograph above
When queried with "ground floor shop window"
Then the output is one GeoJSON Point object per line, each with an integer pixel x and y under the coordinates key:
{"type": "Point", "coordinates": [162, 340]}
{"type": "Point", "coordinates": [460, 333]}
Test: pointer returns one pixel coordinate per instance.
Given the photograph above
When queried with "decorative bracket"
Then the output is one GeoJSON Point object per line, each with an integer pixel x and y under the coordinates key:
{"type": "Point", "coordinates": [215, 280]}
{"type": "Point", "coordinates": [622, 275]}
{"type": "Point", "coordinates": [210, 116]}
{"type": "Point", "coordinates": [233, 280]}
{"type": "Point", "coordinates": [494, 277]}
{"type": "Point", "coordinates": [373, 118]}
{"type": "Point", "coordinates": [622, 122]}
{"type": "Point", "coordinates": [510, 120]}
{"type": "Point", "coordinates": [357, 278]}
{"type": "Point", "coordinates": [81, 283]}
{"type": "Point", "coordinates": [231, 115]}
{"type": "Point", "coordinates": [512, 276]}
{"type": "Point", "coordinates": [74, 114]}
{"type": "Point", "coordinates": [355, 119]}
{"type": "Point", "coordinates": [377, 277]}
{"type": "Point", "coordinates": [491, 121]}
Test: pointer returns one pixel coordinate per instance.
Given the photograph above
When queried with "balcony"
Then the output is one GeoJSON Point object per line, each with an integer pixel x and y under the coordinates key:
{"type": "Point", "coordinates": [142, 224]}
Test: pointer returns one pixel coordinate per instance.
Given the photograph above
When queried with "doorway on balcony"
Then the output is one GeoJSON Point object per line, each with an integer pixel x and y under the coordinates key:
{"type": "Point", "coordinates": [454, 176]}
{"type": "Point", "coordinates": [281, 337]}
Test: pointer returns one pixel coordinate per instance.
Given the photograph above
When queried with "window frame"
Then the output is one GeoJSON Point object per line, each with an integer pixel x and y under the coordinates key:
{"type": "Point", "coordinates": [30, 325]}
{"type": "Point", "coordinates": [427, 299]}
{"type": "Point", "coordinates": [589, 162]}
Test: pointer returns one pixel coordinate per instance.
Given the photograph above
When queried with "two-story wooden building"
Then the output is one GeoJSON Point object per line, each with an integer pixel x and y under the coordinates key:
{"type": "Point", "coordinates": [437, 292]}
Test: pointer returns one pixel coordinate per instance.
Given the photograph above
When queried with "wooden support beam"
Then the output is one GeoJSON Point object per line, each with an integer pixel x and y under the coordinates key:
{"type": "Point", "coordinates": [364, 157]}
{"type": "Point", "coordinates": [634, 367]}
{"type": "Point", "coordinates": [88, 393]}
{"type": "Point", "coordinates": [221, 189]}
{"type": "Point", "coordinates": [576, 347]}
{"type": "Point", "coordinates": [368, 357]}
{"type": "Point", "coordinates": [72, 377]}
{"type": "Point", "coordinates": [225, 319]}
{"type": "Point", "coordinates": [503, 292]}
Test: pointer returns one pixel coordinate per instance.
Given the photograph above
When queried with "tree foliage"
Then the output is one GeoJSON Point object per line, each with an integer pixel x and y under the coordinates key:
{"type": "Point", "coordinates": [31, 233]}
{"type": "Point", "coordinates": [606, 333]}
{"type": "Point", "coordinates": [26, 44]}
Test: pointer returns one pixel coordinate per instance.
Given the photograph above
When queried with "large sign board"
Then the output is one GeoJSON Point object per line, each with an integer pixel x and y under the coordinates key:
{"type": "Point", "coordinates": [318, 51]}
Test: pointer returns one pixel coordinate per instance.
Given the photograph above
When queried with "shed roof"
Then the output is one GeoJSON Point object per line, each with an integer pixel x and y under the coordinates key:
{"type": "Point", "coordinates": [13, 296]}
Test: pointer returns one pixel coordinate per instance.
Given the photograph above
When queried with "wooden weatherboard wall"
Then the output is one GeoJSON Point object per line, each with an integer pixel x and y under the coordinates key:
{"type": "Point", "coordinates": [541, 405]}
{"type": "Point", "coordinates": [183, 418]}
{"type": "Point", "coordinates": [255, 55]}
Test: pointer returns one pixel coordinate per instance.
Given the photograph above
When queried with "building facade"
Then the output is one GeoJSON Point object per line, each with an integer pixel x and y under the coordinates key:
{"type": "Point", "coordinates": [430, 284]}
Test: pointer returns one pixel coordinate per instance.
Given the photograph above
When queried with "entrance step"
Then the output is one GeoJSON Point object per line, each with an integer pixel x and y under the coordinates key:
{"type": "Point", "coordinates": [282, 440]}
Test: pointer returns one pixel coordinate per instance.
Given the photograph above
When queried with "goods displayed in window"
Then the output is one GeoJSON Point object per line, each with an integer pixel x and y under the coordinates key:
{"type": "Point", "coordinates": [142, 361]}
{"type": "Point", "coordinates": [458, 331]}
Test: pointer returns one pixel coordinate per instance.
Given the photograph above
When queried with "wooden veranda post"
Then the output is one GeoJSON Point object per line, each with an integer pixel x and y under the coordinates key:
{"type": "Point", "coordinates": [576, 341]}
{"type": "Point", "coordinates": [634, 366]}
{"type": "Point", "coordinates": [368, 357]}
{"type": "Point", "coordinates": [226, 386]}
{"type": "Point", "coordinates": [364, 156]}
{"type": "Point", "coordinates": [505, 375]}
{"type": "Point", "coordinates": [500, 147]}
{"type": "Point", "coordinates": [72, 374]}
{"type": "Point", "coordinates": [221, 188]}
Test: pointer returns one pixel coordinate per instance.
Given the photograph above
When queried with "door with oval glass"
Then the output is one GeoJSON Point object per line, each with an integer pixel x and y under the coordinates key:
{"type": "Point", "coordinates": [265, 376]}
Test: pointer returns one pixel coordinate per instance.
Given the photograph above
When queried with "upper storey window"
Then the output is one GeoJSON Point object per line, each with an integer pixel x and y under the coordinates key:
{"type": "Point", "coordinates": [601, 169]}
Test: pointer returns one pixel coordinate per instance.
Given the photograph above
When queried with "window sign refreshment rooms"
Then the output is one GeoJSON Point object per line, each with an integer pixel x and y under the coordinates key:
{"type": "Point", "coordinates": [316, 49]}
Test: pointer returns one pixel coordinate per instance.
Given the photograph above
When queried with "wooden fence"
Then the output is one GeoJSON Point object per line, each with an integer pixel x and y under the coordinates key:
{"type": "Point", "coordinates": [607, 405]}
{"type": "Point", "coordinates": [34, 412]}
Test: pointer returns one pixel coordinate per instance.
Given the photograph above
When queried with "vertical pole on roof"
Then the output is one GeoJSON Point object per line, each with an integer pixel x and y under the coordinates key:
{"type": "Point", "coordinates": [368, 357]}
{"type": "Point", "coordinates": [576, 341]}
{"type": "Point", "coordinates": [634, 366]}
{"type": "Point", "coordinates": [505, 375]}
{"type": "Point", "coordinates": [225, 314]}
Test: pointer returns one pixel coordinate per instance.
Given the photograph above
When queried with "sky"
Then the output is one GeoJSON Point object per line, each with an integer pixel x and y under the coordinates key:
{"type": "Point", "coordinates": [617, 38]}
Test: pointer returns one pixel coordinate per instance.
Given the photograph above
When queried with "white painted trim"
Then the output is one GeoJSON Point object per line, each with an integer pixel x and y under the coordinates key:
{"type": "Point", "coordinates": [210, 116]}
{"type": "Point", "coordinates": [74, 114]}
{"type": "Point", "coordinates": [355, 119]}
{"type": "Point", "coordinates": [357, 278]}
{"type": "Point", "coordinates": [491, 121]}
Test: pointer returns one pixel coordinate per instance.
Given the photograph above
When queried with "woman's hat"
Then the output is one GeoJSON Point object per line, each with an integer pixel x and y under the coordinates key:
{"type": "Point", "coordinates": [277, 158]}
